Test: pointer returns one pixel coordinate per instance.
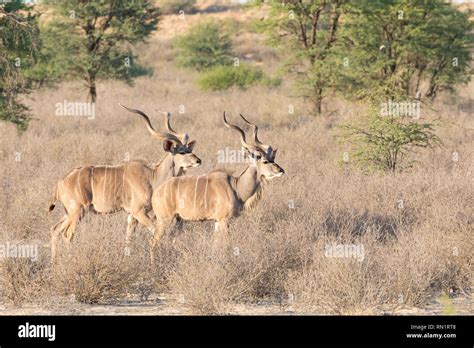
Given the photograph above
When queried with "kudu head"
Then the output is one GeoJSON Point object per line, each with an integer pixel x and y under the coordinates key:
{"type": "Point", "coordinates": [262, 155]}
{"type": "Point", "coordinates": [176, 144]}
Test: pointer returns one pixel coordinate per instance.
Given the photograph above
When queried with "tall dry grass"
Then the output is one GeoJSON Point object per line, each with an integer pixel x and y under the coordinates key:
{"type": "Point", "coordinates": [416, 227]}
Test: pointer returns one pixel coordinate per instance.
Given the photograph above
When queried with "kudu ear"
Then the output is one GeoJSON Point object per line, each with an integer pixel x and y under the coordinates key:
{"type": "Point", "coordinates": [191, 145]}
{"type": "Point", "coordinates": [274, 152]}
{"type": "Point", "coordinates": [168, 146]}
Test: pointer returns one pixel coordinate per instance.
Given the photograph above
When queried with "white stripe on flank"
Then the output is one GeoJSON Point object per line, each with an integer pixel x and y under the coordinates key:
{"type": "Point", "coordinates": [79, 184]}
{"type": "Point", "coordinates": [92, 184]}
{"type": "Point", "coordinates": [179, 199]}
{"type": "Point", "coordinates": [115, 185]}
{"type": "Point", "coordinates": [123, 187]}
{"type": "Point", "coordinates": [205, 193]}
{"type": "Point", "coordinates": [195, 191]}
{"type": "Point", "coordinates": [105, 184]}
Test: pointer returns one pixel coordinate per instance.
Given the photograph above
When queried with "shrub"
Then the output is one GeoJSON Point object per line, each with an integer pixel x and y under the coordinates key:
{"type": "Point", "coordinates": [403, 273]}
{"type": "Point", "coordinates": [207, 283]}
{"type": "Point", "coordinates": [205, 47]}
{"type": "Point", "coordinates": [253, 267]}
{"type": "Point", "coordinates": [385, 141]}
{"type": "Point", "coordinates": [23, 279]}
{"type": "Point", "coordinates": [95, 269]}
{"type": "Point", "coordinates": [224, 77]}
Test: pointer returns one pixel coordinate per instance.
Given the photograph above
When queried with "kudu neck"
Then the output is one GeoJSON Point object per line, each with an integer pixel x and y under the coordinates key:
{"type": "Point", "coordinates": [166, 169]}
{"type": "Point", "coordinates": [248, 184]}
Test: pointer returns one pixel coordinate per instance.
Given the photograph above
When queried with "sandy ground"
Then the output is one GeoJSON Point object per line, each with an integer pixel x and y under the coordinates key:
{"type": "Point", "coordinates": [166, 305]}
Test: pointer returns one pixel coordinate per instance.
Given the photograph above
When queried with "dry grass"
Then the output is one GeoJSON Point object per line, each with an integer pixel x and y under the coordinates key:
{"type": "Point", "coordinates": [23, 280]}
{"type": "Point", "coordinates": [413, 250]}
{"type": "Point", "coordinates": [96, 269]}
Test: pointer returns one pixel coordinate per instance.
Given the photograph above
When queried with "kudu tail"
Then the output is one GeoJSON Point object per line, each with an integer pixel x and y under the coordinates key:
{"type": "Point", "coordinates": [55, 199]}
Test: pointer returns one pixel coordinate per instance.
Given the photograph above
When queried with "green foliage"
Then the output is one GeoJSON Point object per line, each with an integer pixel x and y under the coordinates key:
{"type": "Point", "coordinates": [404, 48]}
{"type": "Point", "coordinates": [205, 47]}
{"type": "Point", "coordinates": [360, 48]}
{"type": "Point", "coordinates": [385, 141]}
{"type": "Point", "coordinates": [305, 33]}
{"type": "Point", "coordinates": [208, 49]}
{"type": "Point", "coordinates": [18, 53]}
{"type": "Point", "coordinates": [175, 6]}
{"type": "Point", "coordinates": [242, 76]}
{"type": "Point", "coordinates": [54, 62]}
{"type": "Point", "coordinates": [447, 304]}
{"type": "Point", "coordinates": [91, 38]}
{"type": "Point", "coordinates": [400, 50]}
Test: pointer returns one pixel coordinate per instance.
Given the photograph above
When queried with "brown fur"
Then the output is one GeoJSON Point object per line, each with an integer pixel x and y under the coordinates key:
{"type": "Point", "coordinates": [216, 196]}
{"type": "Point", "coordinates": [108, 189]}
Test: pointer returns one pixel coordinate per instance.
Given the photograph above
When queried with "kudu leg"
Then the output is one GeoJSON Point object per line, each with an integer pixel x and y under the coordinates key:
{"type": "Point", "coordinates": [178, 228]}
{"type": "Point", "coordinates": [143, 218]}
{"type": "Point", "coordinates": [162, 225]}
{"type": "Point", "coordinates": [131, 225]}
{"type": "Point", "coordinates": [221, 234]}
{"type": "Point", "coordinates": [73, 219]}
{"type": "Point", "coordinates": [56, 230]}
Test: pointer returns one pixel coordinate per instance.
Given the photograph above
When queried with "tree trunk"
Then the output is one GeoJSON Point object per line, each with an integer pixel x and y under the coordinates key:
{"type": "Point", "coordinates": [318, 101]}
{"type": "Point", "coordinates": [317, 107]}
{"type": "Point", "coordinates": [92, 90]}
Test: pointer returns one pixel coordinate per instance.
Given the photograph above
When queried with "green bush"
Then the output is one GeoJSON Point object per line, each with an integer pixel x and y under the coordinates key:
{"type": "Point", "coordinates": [384, 142]}
{"type": "Point", "coordinates": [224, 77]}
{"type": "Point", "coordinates": [205, 47]}
{"type": "Point", "coordinates": [19, 41]}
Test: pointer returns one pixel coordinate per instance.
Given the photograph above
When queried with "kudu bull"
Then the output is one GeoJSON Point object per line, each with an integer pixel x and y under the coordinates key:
{"type": "Point", "coordinates": [217, 196]}
{"type": "Point", "coordinates": [128, 186]}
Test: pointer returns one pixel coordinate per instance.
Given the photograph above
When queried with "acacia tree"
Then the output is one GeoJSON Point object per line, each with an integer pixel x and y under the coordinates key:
{"type": "Point", "coordinates": [204, 47]}
{"type": "Point", "coordinates": [18, 51]}
{"type": "Point", "coordinates": [96, 33]}
{"type": "Point", "coordinates": [386, 142]}
{"type": "Point", "coordinates": [399, 52]}
{"type": "Point", "coordinates": [406, 48]}
{"type": "Point", "coordinates": [305, 33]}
